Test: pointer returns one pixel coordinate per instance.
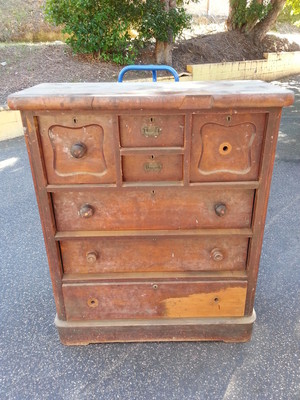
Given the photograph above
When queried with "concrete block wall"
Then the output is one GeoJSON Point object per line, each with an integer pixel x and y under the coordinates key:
{"type": "Point", "coordinates": [10, 124]}
{"type": "Point", "coordinates": [275, 66]}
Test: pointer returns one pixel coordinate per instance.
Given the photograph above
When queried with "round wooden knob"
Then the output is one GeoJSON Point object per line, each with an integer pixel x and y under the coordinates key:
{"type": "Point", "coordinates": [91, 257]}
{"type": "Point", "coordinates": [216, 255]}
{"type": "Point", "coordinates": [78, 150]}
{"type": "Point", "coordinates": [220, 209]}
{"type": "Point", "coordinates": [86, 211]}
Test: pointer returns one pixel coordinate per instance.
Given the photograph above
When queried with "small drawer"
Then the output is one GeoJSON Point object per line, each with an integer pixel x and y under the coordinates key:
{"type": "Point", "coordinates": [153, 208]}
{"type": "Point", "coordinates": [152, 130]}
{"type": "Point", "coordinates": [226, 147]}
{"type": "Point", "coordinates": [145, 300]}
{"type": "Point", "coordinates": [151, 167]}
{"type": "Point", "coordinates": [154, 254]}
{"type": "Point", "coordinates": [78, 149]}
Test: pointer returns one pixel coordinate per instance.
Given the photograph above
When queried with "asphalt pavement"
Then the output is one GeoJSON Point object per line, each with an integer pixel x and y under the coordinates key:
{"type": "Point", "coordinates": [35, 365]}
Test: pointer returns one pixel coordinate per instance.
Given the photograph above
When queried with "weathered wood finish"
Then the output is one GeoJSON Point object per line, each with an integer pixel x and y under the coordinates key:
{"type": "Point", "coordinates": [151, 167]}
{"type": "Point", "coordinates": [128, 254]}
{"type": "Point", "coordinates": [226, 147]}
{"type": "Point", "coordinates": [158, 208]}
{"type": "Point", "coordinates": [152, 130]}
{"type": "Point", "coordinates": [153, 199]}
{"type": "Point", "coordinates": [237, 329]}
{"type": "Point", "coordinates": [59, 132]}
{"type": "Point", "coordinates": [219, 95]}
{"type": "Point", "coordinates": [154, 300]}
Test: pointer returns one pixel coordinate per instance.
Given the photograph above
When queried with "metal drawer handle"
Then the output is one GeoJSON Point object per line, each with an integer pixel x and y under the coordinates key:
{"type": "Point", "coordinates": [86, 211]}
{"type": "Point", "coordinates": [153, 166]}
{"type": "Point", "coordinates": [78, 150]}
{"type": "Point", "coordinates": [220, 209]}
{"type": "Point", "coordinates": [151, 131]}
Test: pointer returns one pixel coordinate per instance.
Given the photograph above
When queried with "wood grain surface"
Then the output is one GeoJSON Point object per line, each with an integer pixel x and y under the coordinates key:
{"type": "Point", "coordinates": [227, 147]}
{"type": "Point", "coordinates": [140, 254]}
{"type": "Point", "coordinates": [150, 300]}
{"type": "Point", "coordinates": [159, 95]}
{"type": "Point", "coordinates": [159, 208]}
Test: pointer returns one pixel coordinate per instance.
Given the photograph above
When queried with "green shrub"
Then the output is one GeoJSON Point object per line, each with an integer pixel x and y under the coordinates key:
{"type": "Point", "coordinates": [291, 13]}
{"type": "Point", "coordinates": [102, 27]}
{"type": "Point", "coordinates": [156, 22]}
{"type": "Point", "coordinates": [98, 27]}
{"type": "Point", "coordinates": [248, 13]}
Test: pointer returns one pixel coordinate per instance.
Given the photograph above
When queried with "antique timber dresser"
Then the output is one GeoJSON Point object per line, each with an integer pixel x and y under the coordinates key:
{"type": "Point", "coordinates": [153, 198]}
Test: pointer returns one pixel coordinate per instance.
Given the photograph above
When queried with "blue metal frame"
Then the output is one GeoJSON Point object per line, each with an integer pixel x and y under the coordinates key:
{"type": "Point", "coordinates": [153, 68]}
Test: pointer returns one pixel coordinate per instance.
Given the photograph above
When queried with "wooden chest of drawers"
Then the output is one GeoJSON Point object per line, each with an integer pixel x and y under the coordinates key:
{"type": "Point", "coordinates": [153, 200]}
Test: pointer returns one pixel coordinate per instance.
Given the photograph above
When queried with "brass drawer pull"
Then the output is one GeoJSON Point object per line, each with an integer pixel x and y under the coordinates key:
{"type": "Point", "coordinates": [78, 150]}
{"type": "Point", "coordinates": [153, 166]}
{"type": "Point", "coordinates": [151, 131]}
{"type": "Point", "coordinates": [86, 211]}
{"type": "Point", "coordinates": [220, 209]}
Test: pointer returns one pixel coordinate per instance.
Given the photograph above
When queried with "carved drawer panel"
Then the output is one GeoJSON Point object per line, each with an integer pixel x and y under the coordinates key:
{"type": "Point", "coordinates": [78, 150]}
{"type": "Point", "coordinates": [158, 208]}
{"type": "Point", "coordinates": [151, 167]}
{"type": "Point", "coordinates": [226, 147]}
{"type": "Point", "coordinates": [133, 300]}
{"type": "Point", "coordinates": [152, 130]}
{"type": "Point", "coordinates": [154, 254]}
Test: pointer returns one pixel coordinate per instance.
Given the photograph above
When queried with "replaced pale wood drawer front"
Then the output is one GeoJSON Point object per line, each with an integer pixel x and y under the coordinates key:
{"type": "Point", "coordinates": [78, 149]}
{"type": "Point", "coordinates": [158, 208]}
{"type": "Point", "coordinates": [178, 299]}
{"type": "Point", "coordinates": [152, 130]}
{"type": "Point", "coordinates": [226, 147]}
{"type": "Point", "coordinates": [147, 168]}
{"type": "Point", "coordinates": [154, 254]}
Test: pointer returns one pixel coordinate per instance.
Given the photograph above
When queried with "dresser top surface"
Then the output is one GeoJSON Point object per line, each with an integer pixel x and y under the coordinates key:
{"type": "Point", "coordinates": [161, 95]}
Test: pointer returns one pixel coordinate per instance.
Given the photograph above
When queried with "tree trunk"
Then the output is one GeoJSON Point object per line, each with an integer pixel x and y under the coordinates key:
{"type": "Point", "coordinates": [163, 53]}
{"type": "Point", "coordinates": [229, 21]}
{"type": "Point", "coordinates": [261, 29]}
{"type": "Point", "coordinates": [163, 50]}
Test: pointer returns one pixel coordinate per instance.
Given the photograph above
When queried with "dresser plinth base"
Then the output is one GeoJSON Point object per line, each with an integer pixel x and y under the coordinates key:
{"type": "Point", "coordinates": [163, 330]}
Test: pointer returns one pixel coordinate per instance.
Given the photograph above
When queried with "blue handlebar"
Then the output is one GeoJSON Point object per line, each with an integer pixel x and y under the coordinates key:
{"type": "Point", "coordinates": [153, 68]}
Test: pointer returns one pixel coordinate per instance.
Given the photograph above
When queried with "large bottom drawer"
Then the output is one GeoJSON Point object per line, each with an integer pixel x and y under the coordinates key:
{"type": "Point", "coordinates": [154, 254]}
{"type": "Point", "coordinates": [147, 300]}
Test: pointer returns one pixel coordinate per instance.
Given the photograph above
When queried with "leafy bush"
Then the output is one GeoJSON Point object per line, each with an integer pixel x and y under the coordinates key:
{"type": "Point", "coordinates": [103, 27]}
{"type": "Point", "coordinates": [291, 12]}
{"type": "Point", "coordinates": [248, 13]}
{"type": "Point", "coordinates": [156, 22]}
{"type": "Point", "coordinates": [95, 27]}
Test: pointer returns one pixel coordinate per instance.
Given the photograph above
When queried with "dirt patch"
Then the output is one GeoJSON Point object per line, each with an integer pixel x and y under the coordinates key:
{"type": "Point", "coordinates": [23, 20]}
{"type": "Point", "coordinates": [226, 47]}
{"type": "Point", "coordinates": [24, 65]}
